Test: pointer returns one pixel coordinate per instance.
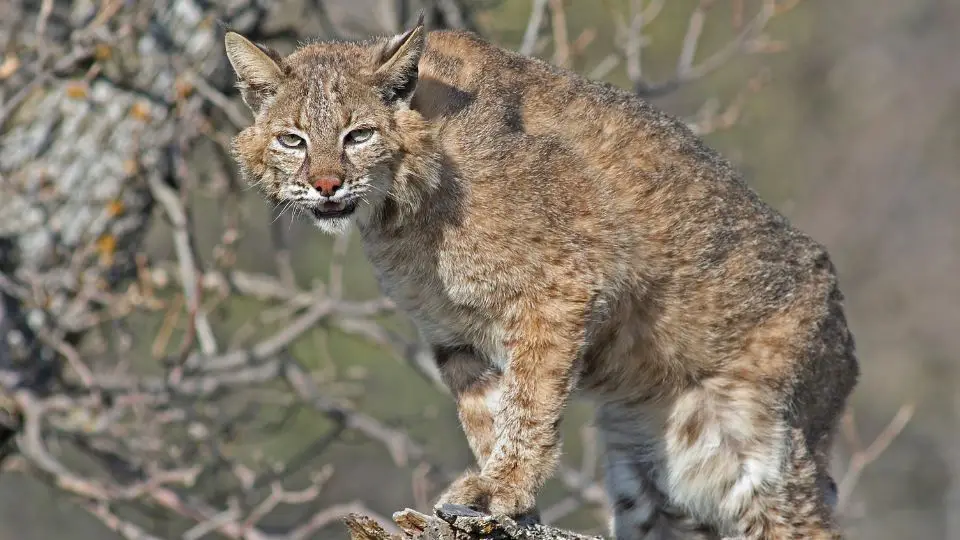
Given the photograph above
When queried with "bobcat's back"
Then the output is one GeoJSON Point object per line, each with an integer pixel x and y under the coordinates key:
{"type": "Point", "coordinates": [555, 163]}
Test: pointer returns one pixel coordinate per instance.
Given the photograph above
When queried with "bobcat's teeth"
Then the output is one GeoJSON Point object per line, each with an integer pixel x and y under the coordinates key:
{"type": "Point", "coordinates": [332, 206]}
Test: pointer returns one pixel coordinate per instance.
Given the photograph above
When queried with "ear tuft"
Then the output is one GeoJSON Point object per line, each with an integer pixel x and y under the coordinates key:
{"type": "Point", "coordinates": [398, 62]}
{"type": "Point", "coordinates": [257, 67]}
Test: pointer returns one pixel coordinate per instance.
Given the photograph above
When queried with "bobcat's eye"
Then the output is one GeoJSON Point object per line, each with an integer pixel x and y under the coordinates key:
{"type": "Point", "coordinates": [290, 140]}
{"type": "Point", "coordinates": [358, 136]}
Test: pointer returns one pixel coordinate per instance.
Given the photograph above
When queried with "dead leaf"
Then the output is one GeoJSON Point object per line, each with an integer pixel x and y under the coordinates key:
{"type": "Point", "coordinates": [9, 66]}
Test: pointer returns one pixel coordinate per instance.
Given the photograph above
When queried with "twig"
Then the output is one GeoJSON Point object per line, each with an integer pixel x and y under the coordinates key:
{"type": "Point", "coordinates": [73, 357]}
{"type": "Point", "coordinates": [688, 71]}
{"type": "Point", "coordinates": [692, 36]}
{"type": "Point", "coordinates": [169, 323]}
{"type": "Point", "coordinates": [101, 511]}
{"type": "Point", "coordinates": [336, 513]}
{"type": "Point", "coordinates": [532, 33]}
{"type": "Point", "coordinates": [588, 464]}
{"type": "Point", "coordinates": [863, 457]}
{"type": "Point", "coordinates": [635, 42]}
{"type": "Point", "coordinates": [237, 117]}
{"type": "Point", "coordinates": [30, 442]}
{"type": "Point", "coordinates": [340, 246]}
{"type": "Point", "coordinates": [605, 66]}
{"type": "Point", "coordinates": [329, 30]}
{"type": "Point", "coordinates": [401, 447]}
{"type": "Point", "coordinates": [11, 105]}
{"type": "Point", "coordinates": [213, 524]}
{"type": "Point", "coordinates": [302, 457]}
{"type": "Point", "coordinates": [46, 8]}
{"type": "Point", "coordinates": [421, 485]}
{"type": "Point", "coordinates": [561, 43]}
{"type": "Point", "coordinates": [736, 14]}
{"type": "Point", "coordinates": [277, 495]}
{"type": "Point", "coordinates": [188, 268]}
{"type": "Point", "coordinates": [281, 248]}
{"type": "Point", "coordinates": [452, 13]}
{"type": "Point", "coordinates": [276, 343]}
{"type": "Point", "coordinates": [709, 119]}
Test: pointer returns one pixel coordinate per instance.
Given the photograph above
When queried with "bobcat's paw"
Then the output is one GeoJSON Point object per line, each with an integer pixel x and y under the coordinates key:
{"type": "Point", "coordinates": [488, 496]}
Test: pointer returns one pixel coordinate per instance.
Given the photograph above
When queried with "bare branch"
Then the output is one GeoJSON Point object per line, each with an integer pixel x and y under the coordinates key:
{"type": "Point", "coordinates": [561, 42]}
{"type": "Point", "coordinates": [237, 116]}
{"type": "Point", "coordinates": [688, 70]}
{"type": "Point", "coordinates": [862, 457]}
{"type": "Point", "coordinates": [188, 267]}
{"type": "Point", "coordinates": [532, 32]}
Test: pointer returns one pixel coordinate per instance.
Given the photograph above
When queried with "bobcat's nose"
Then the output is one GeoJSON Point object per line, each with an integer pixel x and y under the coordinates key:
{"type": "Point", "coordinates": [327, 185]}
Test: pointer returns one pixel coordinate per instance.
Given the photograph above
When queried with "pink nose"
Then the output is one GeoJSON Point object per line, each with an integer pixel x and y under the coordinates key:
{"type": "Point", "coordinates": [327, 185]}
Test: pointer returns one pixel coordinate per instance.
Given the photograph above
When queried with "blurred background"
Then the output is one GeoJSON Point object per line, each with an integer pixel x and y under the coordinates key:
{"type": "Point", "coordinates": [180, 360]}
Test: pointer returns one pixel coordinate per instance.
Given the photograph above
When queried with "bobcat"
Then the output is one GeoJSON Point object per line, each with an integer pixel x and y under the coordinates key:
{"type": "Point", "coordinates": [547, 234]}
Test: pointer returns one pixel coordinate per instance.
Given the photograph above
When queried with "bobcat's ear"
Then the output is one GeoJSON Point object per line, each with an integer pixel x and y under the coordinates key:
{"type": "Point", "coordinates": [397, 64]}
{"type": "Point", "coordinates": [257, 67]}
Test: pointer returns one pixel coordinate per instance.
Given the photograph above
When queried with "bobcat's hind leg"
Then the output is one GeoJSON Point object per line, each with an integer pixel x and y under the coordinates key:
{"type": "Point", "coordinates": [639, 510]}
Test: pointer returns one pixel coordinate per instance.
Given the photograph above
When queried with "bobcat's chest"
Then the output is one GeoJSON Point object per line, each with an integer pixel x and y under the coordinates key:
{"type": "Point", "coordinates": [446, 304]}
{"type": "Point", "coordinates": [419, 297]}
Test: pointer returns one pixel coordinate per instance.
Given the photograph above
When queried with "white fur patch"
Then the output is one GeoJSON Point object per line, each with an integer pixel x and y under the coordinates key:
{"type": "Point", "coordinates": [492, 399]}
{"type": "Point", "coordinates": [338, 225]}
{"type": "Point", "coordinates": [716, 475]}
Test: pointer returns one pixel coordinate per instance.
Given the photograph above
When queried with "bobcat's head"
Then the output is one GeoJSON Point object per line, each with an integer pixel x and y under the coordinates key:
{"type": "Point", "coordinates": [334, 133]}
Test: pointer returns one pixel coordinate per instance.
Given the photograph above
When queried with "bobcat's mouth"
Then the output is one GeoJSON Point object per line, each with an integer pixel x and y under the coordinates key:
{"type": "Point", "coordinates": [328, 210]}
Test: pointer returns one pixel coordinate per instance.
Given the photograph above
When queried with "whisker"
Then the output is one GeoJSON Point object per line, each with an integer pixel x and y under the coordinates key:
{"type": "Point", "coordinates": [286, 204]}
{"type": "Point", "coordinates": [388, 194]}
{"type": "Point", "coordinates": [251, 185]}
{"type": "Point", "coordinates": [296, 212]}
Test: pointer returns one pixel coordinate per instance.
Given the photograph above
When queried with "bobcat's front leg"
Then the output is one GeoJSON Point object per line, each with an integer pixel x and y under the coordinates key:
{"type": "Point", "coordinates": [475, 385]}
{"type": "Point", "coordinates": [534, 389]}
